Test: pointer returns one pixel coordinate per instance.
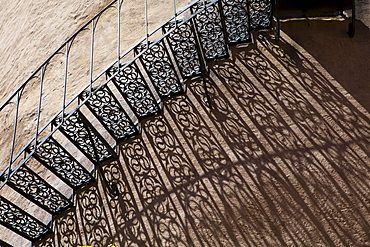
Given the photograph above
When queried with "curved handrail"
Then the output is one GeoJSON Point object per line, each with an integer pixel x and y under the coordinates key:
{"type": "Point", "coordinates": [9, 170]}
{"type": "Point", "coordinates": [97, 16]}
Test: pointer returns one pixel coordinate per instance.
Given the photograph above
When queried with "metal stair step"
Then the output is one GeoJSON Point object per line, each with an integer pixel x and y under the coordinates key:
{"type": "Point", "coordinates": [260, 14]}
{"type": "Point", "coordinates": [133, 87]}
{"type": "Point", "coordinates": [86, 138]}
{"type": "Point", "coordinates": [210, 30]}
{"type": "Point", "coordinates": [20, 222]}
{"type": "Point", "coordinates": [160, 68]}
{"type": "Point", "coordinates": [236, 18]}
{"type": "Point", "coordinates": [33, 187]}
{"type": "Point", "coordinates": [56, 158]}
{"type": "Point", "coordinates": [184, 46]}
{"type": "Point", "coordinates": [106, 108]}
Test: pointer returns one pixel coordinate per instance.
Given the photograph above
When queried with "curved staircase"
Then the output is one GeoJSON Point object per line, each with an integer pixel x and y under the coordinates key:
{"type": "Point", "coordinates": [110, 113]}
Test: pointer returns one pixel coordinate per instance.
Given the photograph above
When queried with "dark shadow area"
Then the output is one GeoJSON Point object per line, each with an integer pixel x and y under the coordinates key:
{"type": "Point", "coordinates": [346, 59]}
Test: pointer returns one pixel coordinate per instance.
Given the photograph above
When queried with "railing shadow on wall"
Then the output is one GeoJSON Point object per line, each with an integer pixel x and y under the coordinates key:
{"type": "Point", "coordinates": [269, 164]}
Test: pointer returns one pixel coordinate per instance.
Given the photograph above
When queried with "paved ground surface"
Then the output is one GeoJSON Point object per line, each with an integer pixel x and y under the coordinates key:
{"type": "Point", "coordinates": [280, 159]}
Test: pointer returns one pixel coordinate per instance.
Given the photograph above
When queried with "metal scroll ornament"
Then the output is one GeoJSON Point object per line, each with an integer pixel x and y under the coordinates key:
{"type": "Point", "coordinates": [110, 113]}
{"type": "Point", "coordinates": [236, 20]}
{"type": "Point", "coordinates": [158, 65]}
{"type": "Point", "coordinates": [52, 155]}
{"type": "Point", "coordinates": [21, 222]}
{"type": "Point", "coordinates": [184, 47]}
{"type": "Point", "coordinates": [134, 89]}
{"type": "Point", "coordinates": [260, 13]}
{"type": "Point", "coordinates": [210, 30]}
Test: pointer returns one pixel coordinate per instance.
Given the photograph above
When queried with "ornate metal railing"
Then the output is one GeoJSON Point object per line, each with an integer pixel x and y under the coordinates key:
{"type": "Point", "coordinates": [94, 118]}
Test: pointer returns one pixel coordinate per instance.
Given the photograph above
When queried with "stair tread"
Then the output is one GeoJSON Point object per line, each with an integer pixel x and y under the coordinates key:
{"type": "Point", "coordinates": [86, 138]}
{"type": "Point", "coordinates": [110, 113]}
{"type": "Point", "coordinates": [53, 156]}
{"type": "Point", "coordinates": [24, 224]}
{"type": "Point", "coordinates": [33, 187]}
{"type": "Point", "coordinates": [131, 84]}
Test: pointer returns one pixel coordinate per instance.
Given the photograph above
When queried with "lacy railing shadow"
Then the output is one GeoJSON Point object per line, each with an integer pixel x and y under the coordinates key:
{"type": "Point", "coordinates": [323, 125]}
{"type": "Point", "coordinates": [162, 203]}
{"type": "Point", "coordinates": [326, 117]}
{"type": "Point", "coordinates": [232, 180]}
{"type": "Point", "coordinates": [159, 208]}
{"type": "Point", "coordinates": [180, 163]}
{"type": "Point", "coordinates": [270, 94]}
{"type": "Point", "coordinates": [67, 232]}
{"type": "Point", "coordinates": [347, 60]}
{"type": "Point", "coordinates": [127, 220]}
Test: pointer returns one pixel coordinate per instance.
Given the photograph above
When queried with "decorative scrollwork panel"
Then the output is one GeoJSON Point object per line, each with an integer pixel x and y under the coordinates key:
{"type": "Point", "coordinates": [260, 13]}
{"type": "Point", "coordinates": [21, 222]}
{"type": "Point", "coordinates": [33, 187]}
{"type": "Point", "coordinates": [210, 30]}
{"type": "Point", "coordinates": [184, 46]}
{"type": "Point", "coordinates": [236, 20]}
{"type": "Point", "coordinates": [52, 155]}
{"type": "Point", "coordinates": [67, 229]}
{"type": "Point", "coordinates": [110, 113]}
{"type": "Point", "coordinates": [81, 133]}
{"type": "Point", "coordinates": [160, 69]}
{"type": "Point", "coordinates": [135, 90]}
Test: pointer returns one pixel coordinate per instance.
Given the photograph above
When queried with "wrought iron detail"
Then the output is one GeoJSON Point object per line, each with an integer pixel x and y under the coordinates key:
{"type": "Point", "coordinates": [260, 12]}
{"type": "Point", "coordinates": [131, 84]}
{"type": "Point", "coordinates": [210, 30]}
{"type": "Point", "coordinates": [110, 113]}
{"type": "Point", "coordinates": [184, 47]}
{"type": "Point", "coordinates": [33, 187]}
{"type": "Point", "coordinates": [53, 156]}
{"type": "Point", "coordinates": [236, 20]}
{"type": "Point", "coordinates": [17, 220]}
{"type": "Point", "coordinates": [158, 65]}
{"type": "Point", "coordinates": [86, 138]}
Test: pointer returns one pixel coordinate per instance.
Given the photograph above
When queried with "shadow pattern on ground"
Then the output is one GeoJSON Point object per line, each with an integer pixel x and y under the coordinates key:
{"type": "Point", "coordinates": [280, 159]}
